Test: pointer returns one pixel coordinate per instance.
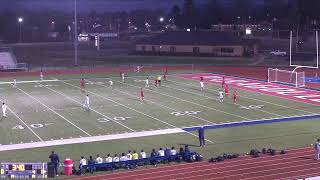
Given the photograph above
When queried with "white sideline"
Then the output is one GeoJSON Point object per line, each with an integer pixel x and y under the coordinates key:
{"type": "Point", "coordinates": [90, 139]}
{"type": "Point", "coordinates": [35, 81]}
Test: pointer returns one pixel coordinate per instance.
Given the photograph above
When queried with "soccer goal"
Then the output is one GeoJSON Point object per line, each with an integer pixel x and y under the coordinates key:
{"type": "Point", "coordinates": [286, 77]}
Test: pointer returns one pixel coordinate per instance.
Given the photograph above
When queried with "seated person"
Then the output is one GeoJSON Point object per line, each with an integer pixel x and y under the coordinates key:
{"type": "Point", "coordinates": [161, 152]}
{"type": "Point", "coordinates": [167, 152]}
{"type": "Point", "coordinates": [129, 155]}
{"type": "Point", "coordinates": [187, 149]}
{"type": "Point", "coordinates": [83, 162]}
{"type": "Point", "coordinates": [109, 159]}
{"type": "Point", "coordinates": [123, 157]}
{"type": "Point", "coordinates": [153, 153]}
{"type": "Point", "coordinates": [116, 158]}
{"type": "Point", "coordinates": [91, 162]}
{"type": "Point", "coordinates": [99, 159]}
{"type": "Point", "coordinates": [142, 154]}
{"type": "Point", "coordinates": [135, 155]}
{"type": "Point", "coordinates": [173, 151]}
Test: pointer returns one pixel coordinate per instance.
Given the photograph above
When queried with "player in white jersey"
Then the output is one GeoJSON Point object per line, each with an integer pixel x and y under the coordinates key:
{"type": "Point", "coordinates": [122, 76]}
{"type": "Point", "coordinates": [41, 76]}
{"type": "Point", "coordinates": [220, 96]}
{"type": "Point", "coordinates": [4, 110]}
{"type": "Point", "coordinates": [201, 85]}
{"type": "Point", "coordinates": [14, 84]}
{"type": "Point", "coordinates": [147, 82]}
{"type": "Point", "coordinates": [87, 103]}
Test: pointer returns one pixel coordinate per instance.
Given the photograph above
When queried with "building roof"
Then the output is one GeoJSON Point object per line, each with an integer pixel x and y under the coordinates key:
{"type": "Point", "coordinates": [196, 38]}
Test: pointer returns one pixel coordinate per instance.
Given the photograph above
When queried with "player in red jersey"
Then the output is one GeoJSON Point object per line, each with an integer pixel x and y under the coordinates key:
{"type": "Point", "coordinates": [141, 94]}
{"type": "Point", "coordinates": [223, 82]}
{"type": "Point", "coordinates": [82, 84]}
{"type": "Point", "coordinates": [165, 76]}
{"type": "Point", "coordinates": [226, 90]}
{"type": "Point", "coordinates": [234, 96]}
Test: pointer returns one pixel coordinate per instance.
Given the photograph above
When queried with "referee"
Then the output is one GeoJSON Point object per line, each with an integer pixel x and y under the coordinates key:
{"type": "Point", "coordinates": [201, 136]}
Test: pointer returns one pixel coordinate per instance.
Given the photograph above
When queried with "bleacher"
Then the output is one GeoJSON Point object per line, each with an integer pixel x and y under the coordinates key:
{"type": "Point", "coordinates": [8, 60]}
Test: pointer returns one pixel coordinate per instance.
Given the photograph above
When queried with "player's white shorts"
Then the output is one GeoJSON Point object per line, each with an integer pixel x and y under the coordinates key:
{"type": "Point", "coordinates": [201, 84]}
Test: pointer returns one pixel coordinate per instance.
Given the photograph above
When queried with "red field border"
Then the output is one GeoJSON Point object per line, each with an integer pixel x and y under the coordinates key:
{"type": "Point", "coordinates": [297, 163]}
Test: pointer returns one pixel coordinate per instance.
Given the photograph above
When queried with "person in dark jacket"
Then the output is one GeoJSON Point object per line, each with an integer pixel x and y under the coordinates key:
{"type": "Point", "coordinates": [91, 162]}
{"type": "Point", "coordinates": [201, 136]}
{"type": "Point", "coordinates": [55, 161]}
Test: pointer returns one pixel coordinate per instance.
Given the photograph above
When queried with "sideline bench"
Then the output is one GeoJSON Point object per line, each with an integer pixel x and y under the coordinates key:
{"type": "Point", "coordinates": [138, 162]}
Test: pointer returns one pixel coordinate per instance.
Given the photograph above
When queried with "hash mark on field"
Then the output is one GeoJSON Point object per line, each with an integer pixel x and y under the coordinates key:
{"type": "Point", "coordinates": [53, 111]}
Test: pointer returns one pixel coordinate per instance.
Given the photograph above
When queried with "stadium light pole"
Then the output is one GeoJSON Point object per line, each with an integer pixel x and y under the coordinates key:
{"type": "Point", "coordinates": [75, 35]}
{"type": "Point", "coordinates": [20, 20]}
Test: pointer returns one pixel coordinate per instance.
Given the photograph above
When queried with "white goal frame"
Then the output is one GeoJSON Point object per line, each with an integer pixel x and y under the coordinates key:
{"type": "Point", "coordinates": [299, 77]}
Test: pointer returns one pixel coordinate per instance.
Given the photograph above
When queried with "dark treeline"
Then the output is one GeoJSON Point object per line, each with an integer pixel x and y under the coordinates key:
{"type": "Point", "coordinates": [285, 14]}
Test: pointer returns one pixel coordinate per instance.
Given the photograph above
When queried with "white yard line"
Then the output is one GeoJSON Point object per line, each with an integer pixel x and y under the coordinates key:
{"type": "Point", "coordinates": [207, 107]}
{"type": "Point", "coordinates": [131, 109]}
{"type": "Point", "coordinates": [109, 118]}
{"type": "Point", "coordinates": [158, 104]}
{"type": "Point", "coordinates": [25, 124]}
{"type": "Point", "coordinates": [53, 111]}
{"type": "Point", "coordinates": [275, 104]}
{"type": "Point", "coordinates": [90, 139]}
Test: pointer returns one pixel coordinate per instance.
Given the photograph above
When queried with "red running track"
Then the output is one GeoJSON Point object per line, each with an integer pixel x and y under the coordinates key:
{"type": "Point", "coordinates": [295, 164]}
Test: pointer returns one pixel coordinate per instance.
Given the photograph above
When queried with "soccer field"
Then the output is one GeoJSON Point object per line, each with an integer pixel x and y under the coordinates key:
{"type": "Point", "coordinates": [49, 113]}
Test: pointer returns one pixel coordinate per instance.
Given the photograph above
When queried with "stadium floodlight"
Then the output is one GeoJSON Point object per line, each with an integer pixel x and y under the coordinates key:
{"type": "Point", "coordinates": [20, 20]}
{"type": "Point", "coordinates": [161, 19]}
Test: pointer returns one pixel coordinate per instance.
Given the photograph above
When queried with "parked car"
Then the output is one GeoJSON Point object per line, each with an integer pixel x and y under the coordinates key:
{"type": "Point", "coordinates": [278, 53]}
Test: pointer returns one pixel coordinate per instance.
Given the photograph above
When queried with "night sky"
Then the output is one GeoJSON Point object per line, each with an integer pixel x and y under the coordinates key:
{"type": "Point", "coordinates": [89, 5]}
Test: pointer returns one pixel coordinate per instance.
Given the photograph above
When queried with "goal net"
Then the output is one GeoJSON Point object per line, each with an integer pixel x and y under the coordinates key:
{"type": "Point", "coordinates": [286, 77]}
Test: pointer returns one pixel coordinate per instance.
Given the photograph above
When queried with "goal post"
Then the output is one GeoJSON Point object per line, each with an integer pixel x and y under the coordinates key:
{"type": "Point", "coordinates": [286, 77]}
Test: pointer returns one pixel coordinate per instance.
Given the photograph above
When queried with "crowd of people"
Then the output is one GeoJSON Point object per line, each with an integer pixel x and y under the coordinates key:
{"type": "Point", "coordinates": [133, 155]}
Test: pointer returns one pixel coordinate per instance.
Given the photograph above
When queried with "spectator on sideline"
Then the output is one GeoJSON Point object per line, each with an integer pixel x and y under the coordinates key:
{"type": "Point", "coordinates": [143, 154]}
{"type": "Point", "coordinates": [99, 160]}
{"type": "Point", "coordinates": [201, 136]}
{"type": "Point", "coordinates": [187, 149]}
{"type": "Point", "coordinates": [181, 151]}
{"type": "Point", "coordinates": [83, 162]}
{"type": "Point", "coordinates": [116, 158]}
{"type": "Point", "coordinates": [91, 162]}
{"type": "Point", "coordinates": [167, 152]}
{"type": "Point", "coordinates": [55, 161]}
{"type": "Point", "coordinates": [129, 155]}
{"type": "Point", "coordinates": [123, 157]}
{"type": "Point", "coordinates": [109, 159]}
{"type": "Point", "coordinates": [317, 148]}
{"type": "Point", "coordinates": [135, 155]}
{"type": "Point", "coordinates": [173, 151]}
{"type": "Point", "coordinates": [161, 152]}
{"type": "Point", "coordinates": [153, 153]}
